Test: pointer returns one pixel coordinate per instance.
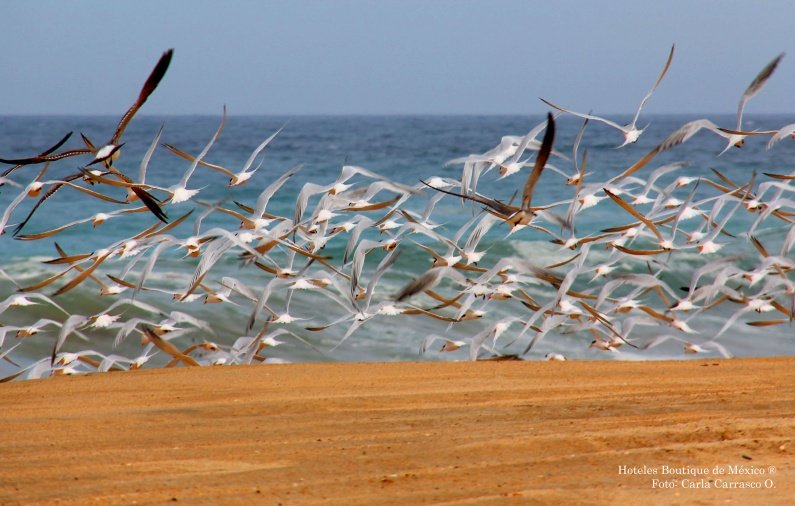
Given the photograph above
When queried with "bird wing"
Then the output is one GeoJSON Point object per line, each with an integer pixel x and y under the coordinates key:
{"type": "Point", "coordinates": [657, 83]}
{"type": "Point", "coordinates": [756, 85]}
{"type": "Point", "coordinates": [149, 86]}
{"type": "Point", "coordinates": [585, 116]}
{"type": "Point", "coordinates": [541, 161]}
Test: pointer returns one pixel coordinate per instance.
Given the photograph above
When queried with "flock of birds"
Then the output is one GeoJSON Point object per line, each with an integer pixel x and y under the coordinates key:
{"type": "Point", "coordinates": [599, 299]}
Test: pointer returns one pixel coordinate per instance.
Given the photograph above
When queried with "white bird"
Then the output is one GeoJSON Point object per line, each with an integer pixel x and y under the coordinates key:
{"type": "Point", "coordinates": [631, 131]}
{"type": "Point", "coordinates": [737, 136]}
{"type": "Point", "coordinates": [179, 192]}
{"type": "Point", "coordinates": [448, 346]}
{"type": "Point", "coordinates": [688, 346]}
{"type": "Point", "coordinates": [235, 179]}
{"type": "Point", "coordinates": [685, 132]}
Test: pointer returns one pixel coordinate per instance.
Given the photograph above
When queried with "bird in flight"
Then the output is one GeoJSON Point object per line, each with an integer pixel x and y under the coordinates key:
{"type": "Point", "coordinates": [519, 217]}
{"type": "Point", "coordinates": [631, 131]}
{"type": "Point", "coordinates": [109, 151]}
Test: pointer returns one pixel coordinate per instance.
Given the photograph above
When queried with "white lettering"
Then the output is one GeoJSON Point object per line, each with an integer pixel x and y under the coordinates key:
{"type": "Point", "coordinates": [734, 469]}
{"type": "Point", "coordinates": [720, 483]}
{"type": "Point", "coordinates": [623, 469]}
{"type": "Point", "coordinates": [685, 470]}
{"type": "Point", "coordinates": [700, 483]}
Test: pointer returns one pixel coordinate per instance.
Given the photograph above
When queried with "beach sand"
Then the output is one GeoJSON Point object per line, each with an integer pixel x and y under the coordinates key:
{"type": "Point", "coordinates": [405, 433]}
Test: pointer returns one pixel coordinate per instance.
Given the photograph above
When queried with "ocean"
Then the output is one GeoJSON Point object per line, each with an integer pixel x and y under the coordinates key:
{"type": "Point", "coordinates": [405, 149]}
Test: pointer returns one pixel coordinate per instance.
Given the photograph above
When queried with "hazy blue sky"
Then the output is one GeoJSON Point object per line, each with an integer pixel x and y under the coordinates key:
{"type": "Point", "coordinates": [407, 56]}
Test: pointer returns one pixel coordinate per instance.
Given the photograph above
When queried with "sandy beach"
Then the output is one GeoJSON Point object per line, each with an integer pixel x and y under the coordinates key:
{"type": "Point", "coordinates": [406, 433]}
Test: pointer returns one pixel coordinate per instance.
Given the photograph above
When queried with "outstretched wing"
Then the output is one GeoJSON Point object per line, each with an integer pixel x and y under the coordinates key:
{"type": "Point", "coordinates": [657, 83]}
{"type": "Point", "coordinates": [541, 161]}
{"type": "Point", "coordinates": [756, 85]}
{"type": "Point", "coordinates": [149, 86]}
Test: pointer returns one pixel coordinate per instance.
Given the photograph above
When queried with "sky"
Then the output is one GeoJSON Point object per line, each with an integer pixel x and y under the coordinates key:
{"type": "Point", "coordinates": [393, 57]}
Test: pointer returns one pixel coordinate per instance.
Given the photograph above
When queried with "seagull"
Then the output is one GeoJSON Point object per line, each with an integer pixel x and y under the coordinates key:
{"type": "Point", "coordinates": [165, 346]}
{"type": "Point", "coordinates": [235, 179]}
{"type": "Point", "coordinates": [781, 133]}
{"type": "Point", "coordinates": [96, 220]}
{"type": "Point", "coordinates": [448, 346]}
{"type": "Point", "coordinates": [42, 154]}
{"type": "Point", "coordinates": [737, 136]}
{"type": "Point", "coordinates": [631, 131]}
{"type": "Point", "coordinates": [688, 346]}
{"type": "Point", "coordinates": [428, 280]}
{"type": "Point", "coordinates": [510, 147]}
{"type": "Point", "coordinates": [110, 151]}
{"type": "Point", "coordinates": [519, 217]}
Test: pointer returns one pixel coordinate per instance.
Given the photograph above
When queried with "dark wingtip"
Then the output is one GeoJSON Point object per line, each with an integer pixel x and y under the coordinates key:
{"type": "Point", "coordinates": [547, 141]}
{"type": "Point", "coordinates": [18, 229]}
{"type": "Point", "coordinates": [151, 203]}
{"type": "Point", "coordinates": [157, 75]}
{"type": "Point", "coordinates": [58, 144]}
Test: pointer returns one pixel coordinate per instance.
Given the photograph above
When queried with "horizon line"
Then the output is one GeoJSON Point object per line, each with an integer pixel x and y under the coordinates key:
{"type": "Point", "coordinates": [382, 114]}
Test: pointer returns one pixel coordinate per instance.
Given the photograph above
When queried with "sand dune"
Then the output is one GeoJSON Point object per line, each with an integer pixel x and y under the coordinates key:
{"type": "Point", "coordinates": [405, 433]}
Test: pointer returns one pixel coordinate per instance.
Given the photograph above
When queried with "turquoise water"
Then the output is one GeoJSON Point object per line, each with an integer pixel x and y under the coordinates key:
{"type": "Point", "coordinates": [404, 149]}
